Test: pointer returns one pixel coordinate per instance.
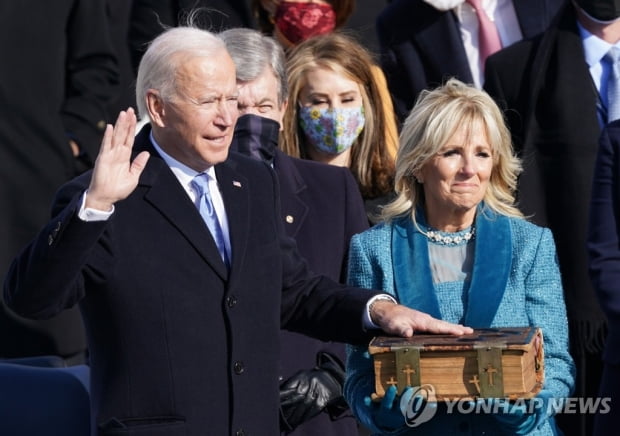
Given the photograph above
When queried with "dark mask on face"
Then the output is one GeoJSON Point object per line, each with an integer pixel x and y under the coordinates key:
{"type": "Point", "coordinates": [602, 10]}
{"type": "Point", "coordinates": [256, 136]}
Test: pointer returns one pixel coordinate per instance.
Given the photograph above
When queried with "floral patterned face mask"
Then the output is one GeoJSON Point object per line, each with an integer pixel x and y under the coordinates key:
{"type": "Point", "coordinates": [331, 131]}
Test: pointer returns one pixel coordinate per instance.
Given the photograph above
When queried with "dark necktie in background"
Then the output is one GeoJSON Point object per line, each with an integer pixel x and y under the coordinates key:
{"type": "Point", "coordinates": [488, 37]}
{"type": "Point", "coordinates": [200, 183]}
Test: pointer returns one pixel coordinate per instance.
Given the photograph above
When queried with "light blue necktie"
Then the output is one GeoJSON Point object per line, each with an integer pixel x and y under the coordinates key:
{"type": "Point", "coordinates": [613, 84]}
{"type": "Point", "coordinates": [200, 183]}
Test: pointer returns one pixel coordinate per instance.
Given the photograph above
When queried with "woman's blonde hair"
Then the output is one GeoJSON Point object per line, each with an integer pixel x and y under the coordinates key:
{"type": "Point", "coordinates": [436, 116]}
{"type": "Point", "coordinates": [373, 153]}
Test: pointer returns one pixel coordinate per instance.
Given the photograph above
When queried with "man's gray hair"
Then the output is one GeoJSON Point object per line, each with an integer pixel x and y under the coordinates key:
{"type": "Point", "coordinates": [252, 52]}
{"type": "Point", "coordinates": [165, 54]}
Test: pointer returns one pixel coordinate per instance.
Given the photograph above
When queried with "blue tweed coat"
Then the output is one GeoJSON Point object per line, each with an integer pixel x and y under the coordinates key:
{"type": "Point", "coordinates": [515, 282]}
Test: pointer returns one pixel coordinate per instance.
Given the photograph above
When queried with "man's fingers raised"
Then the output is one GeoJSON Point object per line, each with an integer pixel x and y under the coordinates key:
{"type": "Point", "coordinates": [139, 163]}
{"type": "Point", "coordinates": [124, 128]}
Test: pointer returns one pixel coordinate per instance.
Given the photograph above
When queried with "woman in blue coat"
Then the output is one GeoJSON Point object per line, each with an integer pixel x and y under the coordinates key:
{"type": "Point", "coordinates": [453, 244]}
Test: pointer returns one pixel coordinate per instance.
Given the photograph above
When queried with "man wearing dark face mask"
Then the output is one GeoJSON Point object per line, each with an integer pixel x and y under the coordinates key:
{"type": "Point", "coordinates": [602, 11]}
{"type": "Point", "coordinates": [321, 208]}
{"type": "Point", "coordinates": [555, 89]}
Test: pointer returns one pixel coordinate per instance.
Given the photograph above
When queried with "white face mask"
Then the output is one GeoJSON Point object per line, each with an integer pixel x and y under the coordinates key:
{"type": "Point", "coordinates": [444, 5]}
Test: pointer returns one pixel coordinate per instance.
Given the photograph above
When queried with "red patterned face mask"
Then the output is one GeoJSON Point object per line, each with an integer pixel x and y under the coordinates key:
{"type": "Point", "coordinates": [299, 21]}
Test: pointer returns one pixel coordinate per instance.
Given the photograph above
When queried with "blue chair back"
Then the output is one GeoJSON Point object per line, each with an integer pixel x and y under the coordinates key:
{"type": "Point", "coordinates": [44, 401]}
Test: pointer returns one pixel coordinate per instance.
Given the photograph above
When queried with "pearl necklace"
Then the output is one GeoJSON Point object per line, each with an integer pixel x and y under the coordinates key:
{"type": "Point", "coordinates": [439, 238]}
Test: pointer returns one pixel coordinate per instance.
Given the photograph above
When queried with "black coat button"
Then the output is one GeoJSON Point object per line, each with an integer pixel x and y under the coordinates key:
{"type": "Point", "coordinates": [238, 367]}
{"type": "Point", "coordinates": [240, 432]}
{"type": "Point", "coordinates": [231, 301]}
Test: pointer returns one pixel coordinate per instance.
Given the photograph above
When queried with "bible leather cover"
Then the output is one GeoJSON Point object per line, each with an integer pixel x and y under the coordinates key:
{"type": "Point", "coordinates": [489, 363]}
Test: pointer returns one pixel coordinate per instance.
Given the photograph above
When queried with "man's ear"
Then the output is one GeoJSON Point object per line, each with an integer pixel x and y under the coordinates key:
{"type": "Point", "coordinates": [155, 107]}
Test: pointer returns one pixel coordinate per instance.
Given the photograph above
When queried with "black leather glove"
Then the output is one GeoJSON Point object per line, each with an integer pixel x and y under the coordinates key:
{"type": "Point", "coordinates": [309, 392]}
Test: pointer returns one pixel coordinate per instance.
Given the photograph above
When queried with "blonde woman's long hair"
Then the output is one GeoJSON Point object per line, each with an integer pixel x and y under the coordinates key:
{"type": "Point", "coordinates": [373, 153]}
{"type": "Point", "coordinates": [436, 116]}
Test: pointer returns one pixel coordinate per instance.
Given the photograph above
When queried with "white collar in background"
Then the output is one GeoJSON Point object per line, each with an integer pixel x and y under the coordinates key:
{"type": "Point", "coordinates": [444, 5]}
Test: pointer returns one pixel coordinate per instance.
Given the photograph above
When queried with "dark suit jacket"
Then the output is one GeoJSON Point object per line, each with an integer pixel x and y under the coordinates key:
{"type": "Point", "coordinates": [178, 345]}
{"type": "Point", "coordinates": [421, 46]}
{"type": "Point", "coordinates": [550, 101]}
{"type": "Point", "coordinates": [320, 200]}
{"type": "Point", "coordinates": [59, 73]}
{"type": "Point", "coordinates": [321, 208]}
{"type": "Point", "coordinates": [604, 251]}
{"type": "Point", "coordinates": [604, 235]}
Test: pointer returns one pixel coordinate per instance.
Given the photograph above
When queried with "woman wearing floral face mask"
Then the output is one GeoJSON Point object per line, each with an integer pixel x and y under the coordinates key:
{"type": "Point", "coordinates": [294, 21]}
{"type": "Point", "coordinates": [339, 113]}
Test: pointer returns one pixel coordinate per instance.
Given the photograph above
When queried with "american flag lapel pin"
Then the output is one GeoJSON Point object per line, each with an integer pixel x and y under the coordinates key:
{"type": "Point", "coordinates": [237, 183]}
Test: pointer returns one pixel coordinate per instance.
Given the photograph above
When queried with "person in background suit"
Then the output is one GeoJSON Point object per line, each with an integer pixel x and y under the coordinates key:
{"type": "Point", "coordinates": [604, 258]}
{"type": "Point", "coordinates": [59, 74]}
{"type": "Point", "coordinates": [553, 90]}
{"type": "Point", "coordinates": [180, 265]}
{"type": "Point", "coordinates": [425, 42]}
{"type": "Point", "coordinates": [321, 209]}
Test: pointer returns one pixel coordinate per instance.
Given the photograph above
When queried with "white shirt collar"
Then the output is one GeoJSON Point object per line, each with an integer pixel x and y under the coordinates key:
{"type": "Point", "coordinates": [594, 47]}
{"type": "Point", "coordinates": [444, 5]}
{"type": "Point", "coordinates": [490, 6]}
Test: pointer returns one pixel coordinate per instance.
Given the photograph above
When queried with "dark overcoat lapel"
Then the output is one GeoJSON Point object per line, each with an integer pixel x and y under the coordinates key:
{"type": "Point", "coordinates": [233, 187]}
{"type": "Point", "coordinates": [292, 191]}
{"type": "Point", "coordinates": [565, 76]}
{"type": "Point", "coordinates": [535, 15]}
{"type": "Point", "coordinates": [560, 57]}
